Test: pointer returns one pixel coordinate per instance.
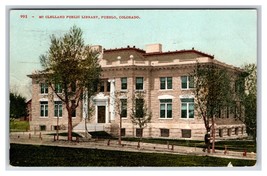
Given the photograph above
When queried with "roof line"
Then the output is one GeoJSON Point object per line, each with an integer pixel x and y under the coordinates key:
{"type": "Point", "coordinates": [180, 51]}
{"type": "Point", "coordinates": [127, 48]}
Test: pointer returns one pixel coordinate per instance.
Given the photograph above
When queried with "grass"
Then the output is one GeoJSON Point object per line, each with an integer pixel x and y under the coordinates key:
{"type": "Point", "coordinates": [38, 155]}
{"type": "Point", "coordinates": [235, 145]}
{"type": "Point", "coordinates": [19, 126]}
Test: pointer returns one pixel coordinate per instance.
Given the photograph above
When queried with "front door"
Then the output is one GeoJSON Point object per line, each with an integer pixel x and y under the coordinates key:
{"type": "Point", "coordinates": [101, 111]}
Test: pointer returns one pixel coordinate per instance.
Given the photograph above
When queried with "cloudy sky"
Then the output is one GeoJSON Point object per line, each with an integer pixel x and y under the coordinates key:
{"type": "Point", "coordinates": [230, 35]}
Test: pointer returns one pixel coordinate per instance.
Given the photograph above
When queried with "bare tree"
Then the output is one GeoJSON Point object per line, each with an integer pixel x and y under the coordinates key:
{"type": "Point", "coordinates": [121, 109]}
{"type": "Point", "coordinates": [140, 114]}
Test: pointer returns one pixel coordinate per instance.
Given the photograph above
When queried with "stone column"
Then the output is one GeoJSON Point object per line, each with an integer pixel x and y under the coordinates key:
{"type": "Point", "coordinates": [112, 99]}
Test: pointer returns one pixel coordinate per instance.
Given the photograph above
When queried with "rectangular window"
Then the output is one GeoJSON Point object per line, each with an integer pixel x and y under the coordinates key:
{"type": "Point", "coordinates": [139, 83]}
{"type": "Point", "coordinates": [186, 133]}
{"type": "Point", "coordinates": [166, 108]}
{"type": "Point", "coordinates": [124, 108]}
{"type": "Point", "coordinates": [56, 127]}
{"type": "Point", "coordinates": [44, 88]}
{"type": "Point", "coordinates": [42, 128]}
{"type": "Point", "coordinates": [139, 108]}
{"type": "Point", "coordinates": [165, 83]}
{"type": "Point", "coordinates": [139, 132]}
{"type": "Point", "coordinates": [102, 86]}
{"type": "Point", "coordinates": [123, 83]}
{"type": "Point", "coordinates": [229, 131]}
{"type": "Point", "coordinates": [164, 132]}
{"type": "Point", "coordinates": [221, 132]}
{"type": "Point", "coordinates": [187, 82]}
{"type": "Point", "coordinates": [123, 133]}
{"type": "Point", "coordinates": [58, 88]}
{"type": "Point", "coordinates": [58, 109]}
{"type": "Point", "coordinates": [187, 108]}
{"type": "Point", "coordinates": [44, 108]}
{"type": "Point", "coordinates": [108, 86]}
{"type": "Point", "coordinates": [236, 131]}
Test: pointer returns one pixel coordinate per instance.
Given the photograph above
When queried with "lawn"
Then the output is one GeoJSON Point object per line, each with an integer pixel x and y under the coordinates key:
{"type": "Point", "coordinates": [36, 155]}
{"type": "Point", "coordinates": [18, 126]}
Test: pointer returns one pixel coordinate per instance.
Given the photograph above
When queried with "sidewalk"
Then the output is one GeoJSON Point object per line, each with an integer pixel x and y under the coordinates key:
{"type": "Point", "coordinates": [105, 144]}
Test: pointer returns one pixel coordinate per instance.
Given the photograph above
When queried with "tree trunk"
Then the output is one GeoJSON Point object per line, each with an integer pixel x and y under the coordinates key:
{"type": "Point", "coordinates": [57, 126]}
{"type": "Point", "coordinates": [69, 125]}
{"type": "Point", "coordinates": [213, 135]}
{"type": "Point", "coordinates": [120, 131]}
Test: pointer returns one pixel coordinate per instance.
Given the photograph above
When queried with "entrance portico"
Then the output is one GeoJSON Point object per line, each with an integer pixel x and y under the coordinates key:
{"type": "Point", "coordinates": [101, 108]}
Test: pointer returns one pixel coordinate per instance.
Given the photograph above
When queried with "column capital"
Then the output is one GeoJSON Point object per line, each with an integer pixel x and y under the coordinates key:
{"type": "Point", "coordinates": [111, 80]}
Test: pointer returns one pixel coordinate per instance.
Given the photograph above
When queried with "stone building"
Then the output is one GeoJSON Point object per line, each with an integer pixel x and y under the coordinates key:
{"type": "Point", "coordinates": [162, 77]}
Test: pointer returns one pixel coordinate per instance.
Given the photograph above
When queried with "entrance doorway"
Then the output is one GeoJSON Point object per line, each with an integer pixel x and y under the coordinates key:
{"type": "Point", "coordinates": [101, 114]}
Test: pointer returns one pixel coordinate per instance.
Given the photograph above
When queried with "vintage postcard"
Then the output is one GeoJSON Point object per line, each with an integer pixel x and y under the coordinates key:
{"type": "Point", "coordinates": [122, 87]}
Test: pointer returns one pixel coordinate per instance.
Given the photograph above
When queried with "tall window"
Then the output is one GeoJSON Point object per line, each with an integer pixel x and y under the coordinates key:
{"type": "Point", "coordinates": [102, 86]}
{"type": "Point", "coordinates": [44, 88]}
{"type": "Point", "coordinates": [123, 83]}
{"type": "Point", "coordinates": [44, 108]}
{"type": "Point", "coordinates": [187, 108]}
{"type": "Point", "coordinates": [58, 109]}
{"type": "Point", "coordinates": [139, 83]}
{"type": "Point", "coordinates": [58, 88]}
{"type": "Point", "coordinates": [166, 83]}
{"type": "Point", "coordinates": [166, 108]}
{"type": "Point", "coordinates": [108, 86]}
{"type": "Point", "coordinates": [139, 105]}
{"type": "Point", "coordinates": [123, 107]}
{"type": "Point", "coordinates": [187, 82]}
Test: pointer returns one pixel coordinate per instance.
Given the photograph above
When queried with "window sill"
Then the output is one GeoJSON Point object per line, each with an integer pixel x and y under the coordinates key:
{"type": "Point", "coordinates": [58, 117]}
{"type": "Point", "coordinates": [165, 118]}
{"type": "Point", "coordinates": [43, 117]}
{"type": "Point", "coordinates": [139, 90]}
{"type": "Point", "coordinates": [166, 89]}
{"type": "Point", "coordinates": [124, 90]}
{"type": "Point", "coordinates": [187, 118]}
{"type": "Point", "coordinates": [187, 88]}
{"type": "Point", "coordinates": [43, 94]}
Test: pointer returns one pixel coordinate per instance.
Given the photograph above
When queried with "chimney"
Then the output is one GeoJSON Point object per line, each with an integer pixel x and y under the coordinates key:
{"type": "Point", "coordinates": [154, 48]}
{"type": "Point", "coordinates": [96, 48]}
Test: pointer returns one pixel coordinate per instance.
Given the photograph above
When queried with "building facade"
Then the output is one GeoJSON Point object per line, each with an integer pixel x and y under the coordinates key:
{"type": "Point", "coordinates": [164, 80]}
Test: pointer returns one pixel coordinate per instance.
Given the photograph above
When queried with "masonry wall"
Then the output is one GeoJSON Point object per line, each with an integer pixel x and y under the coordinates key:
{"type": "Point", "coordinates": [176, 125]}
{"type": "Point", "coordinates": [38, 123]}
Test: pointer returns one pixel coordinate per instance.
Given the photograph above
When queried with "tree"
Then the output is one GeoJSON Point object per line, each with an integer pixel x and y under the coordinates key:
{"type": "Point", "coordinates": [71, 66]}
{"type": "Point", "coordinates": [213, 92]}
{"type": "Point", "coordinates": [121, 109]}
{"type": "Point", "coordinates": [18, 106]}
{"type": "Point", "coordinates": [140, 115]}
{"type": "Point", "coordinates": [249, 98]}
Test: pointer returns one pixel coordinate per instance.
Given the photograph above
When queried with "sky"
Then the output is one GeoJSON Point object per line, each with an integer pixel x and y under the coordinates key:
{"type": "Point", "coordinates": [229, 35]}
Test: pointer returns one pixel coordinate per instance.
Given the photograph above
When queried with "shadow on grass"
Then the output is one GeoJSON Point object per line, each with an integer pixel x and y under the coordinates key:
{"type": "Point", "coordinates": [38, 155]}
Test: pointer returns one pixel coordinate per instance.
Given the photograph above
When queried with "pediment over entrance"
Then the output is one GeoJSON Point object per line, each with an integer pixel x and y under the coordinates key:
{"type": "Point", "coordinates": [100, 96]}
